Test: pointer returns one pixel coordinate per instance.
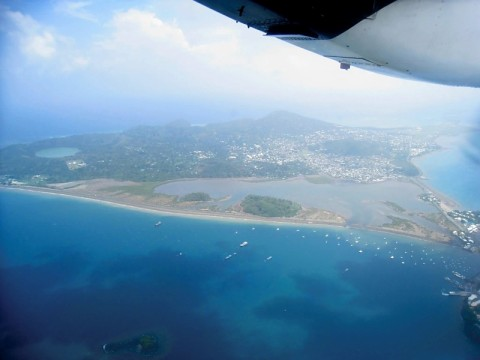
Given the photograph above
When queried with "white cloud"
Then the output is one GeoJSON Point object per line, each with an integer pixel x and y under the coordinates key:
{"type": "Point", "coordinates": [77, 9]}
{"type": "Point", "coordinates": [41, 45]}
{"type": "Point", "coordinates": [138, 28]}
{"type": "Point", "coordinates": [74, 63]}
{"type": "Point", "coordinates": [35, 40]}
{"type": "Point", "coordinates": [178, 49]}
{"type": "Point", "coordinates": [142, 50]}
{"type": "Point", "coordinates": [154, 54]}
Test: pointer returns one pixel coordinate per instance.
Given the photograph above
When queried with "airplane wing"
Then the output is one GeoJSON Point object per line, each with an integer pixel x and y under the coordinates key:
{"type": "Point", "coordinates": [430, 40]}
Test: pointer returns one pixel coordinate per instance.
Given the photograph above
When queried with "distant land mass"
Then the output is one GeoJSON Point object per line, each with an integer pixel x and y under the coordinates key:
{"type": "Point", "coordinates": [280, 145]}
{"type": "Point", "coordinates": [132, 168]}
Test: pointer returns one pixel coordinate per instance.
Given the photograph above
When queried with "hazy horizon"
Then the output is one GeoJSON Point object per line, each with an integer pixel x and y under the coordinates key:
{"type": "Point", "coordinates": [84, 66]}
{"type": "Point", "coordinates": [48, 129]}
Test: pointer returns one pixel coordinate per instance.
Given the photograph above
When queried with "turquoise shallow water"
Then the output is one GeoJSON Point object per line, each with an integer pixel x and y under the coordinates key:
{"type": "Point", "coordinates": [77, 274]}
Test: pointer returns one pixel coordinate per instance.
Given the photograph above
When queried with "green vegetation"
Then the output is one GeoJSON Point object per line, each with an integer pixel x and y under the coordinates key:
{"type": "Point", "coordinates": [279, 146]}
{"type": "Point", "coordinates": [146, 189]}
{"type": "Point", "coordinates": [196, 196]}
{"type": "Point", "coordinates": [399, 223]}
{"type": "Point", "coordinates": [146, 345]}
{"type": "Point", "coordinates": [269, 206]}
{"type": "Point", "coordinates": [471, 322]}
{"type": "Point", "coordinates": [394, 206]}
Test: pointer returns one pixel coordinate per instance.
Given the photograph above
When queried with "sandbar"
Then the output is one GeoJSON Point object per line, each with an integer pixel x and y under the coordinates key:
{"type": "Point", "coordinates": [376, 204]}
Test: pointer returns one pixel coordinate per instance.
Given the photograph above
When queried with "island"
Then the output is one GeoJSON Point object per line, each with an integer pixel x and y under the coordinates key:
{"type": "Point", "coordinates": [282, 168]}
{"type": "Point", "coordinates": [280, 145]}
{"type": "Point", "coordinates": [318, 173]}
{"type": "Point", "coordinates": [268, 206]}
{"type": "Point", "coordinates": [145, 345]}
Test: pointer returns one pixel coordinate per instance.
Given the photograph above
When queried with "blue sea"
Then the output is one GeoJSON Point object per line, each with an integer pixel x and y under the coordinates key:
{"type": "Point", "coordinates": [77, 274]}
{"type": "Point", "coordinates": [455, 170]}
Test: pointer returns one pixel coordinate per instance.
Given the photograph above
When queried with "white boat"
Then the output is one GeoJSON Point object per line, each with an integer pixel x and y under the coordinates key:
{"type": "Point", "coordinates": [228, 257]}
{"type": "Point", "coordinates": [245, 243]}
{"type": "Point", "coordinates": [158, 223]}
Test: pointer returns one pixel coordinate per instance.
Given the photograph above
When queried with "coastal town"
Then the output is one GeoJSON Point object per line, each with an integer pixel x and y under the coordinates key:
{"type": "Point", "coordinates": [470, 222]}
{"type": "Point", "coordinates": [350, 154]}
{"type": "Point", "coordinates": [467, 223]}
{"type": "Point", "coordinates": [279, 146]}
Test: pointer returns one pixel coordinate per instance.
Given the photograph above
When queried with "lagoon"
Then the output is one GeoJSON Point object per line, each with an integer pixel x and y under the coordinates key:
{"type": "Point", "coordinates": [363, 204]}
{"type": "Point", "coordinates": [57, 152]}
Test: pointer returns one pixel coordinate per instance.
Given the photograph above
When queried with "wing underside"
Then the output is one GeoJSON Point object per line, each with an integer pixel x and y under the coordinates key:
{"type": "Point", "coordinates": [429, 40]}
{"type": "Point", "coordinates": [300, 19]}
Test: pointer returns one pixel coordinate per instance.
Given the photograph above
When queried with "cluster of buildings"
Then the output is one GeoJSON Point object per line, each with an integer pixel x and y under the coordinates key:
{"type": "Point", "coordinates": [469, 289]}
{"type": "Point", "coordinates": [471, 315]}
{"type": "Point", "coordinates": [467, 223]}
{"type": "Point", "coordinates": [431, 198]}
{"type": "Point", "coordinates": [470, 221]}
{"type": "Point", "coordinates": [474, 302]}
{"type": "Point", "coordinates": [352, 154]}
{"type": "Point", "coordinates": [75, 164]}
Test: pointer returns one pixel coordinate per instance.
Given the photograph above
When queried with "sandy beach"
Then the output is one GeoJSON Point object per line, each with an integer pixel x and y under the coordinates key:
{"type": "Point", "coordinates": [382, 215]}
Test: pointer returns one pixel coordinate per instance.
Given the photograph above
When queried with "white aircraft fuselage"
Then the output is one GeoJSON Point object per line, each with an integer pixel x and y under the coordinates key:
{"type": "Point", "coordinates": [430, 40]}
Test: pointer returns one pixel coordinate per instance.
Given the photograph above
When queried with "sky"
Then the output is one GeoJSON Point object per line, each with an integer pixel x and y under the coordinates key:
{"type": "Point", "coordinates": [96, 66]}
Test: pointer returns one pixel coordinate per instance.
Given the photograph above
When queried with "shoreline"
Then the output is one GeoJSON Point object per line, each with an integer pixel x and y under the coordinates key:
{"type": "Point", "coordinates": [209, 215]}
{"type": "Point", "coordinates": [168, 211]}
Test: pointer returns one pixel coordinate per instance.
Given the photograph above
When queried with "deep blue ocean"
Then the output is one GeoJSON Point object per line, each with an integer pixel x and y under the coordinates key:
{"type": "Point", "coordinates": [77, 274]}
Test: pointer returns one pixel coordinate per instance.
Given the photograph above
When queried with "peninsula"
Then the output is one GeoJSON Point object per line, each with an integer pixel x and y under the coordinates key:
{"type": "Point", "coordinates": [469, 289]}
{"type": "Point", "coordinates": [283, 167]}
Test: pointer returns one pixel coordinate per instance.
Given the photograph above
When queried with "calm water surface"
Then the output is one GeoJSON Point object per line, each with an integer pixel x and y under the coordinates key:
{"type": "Point", "coordinates": [346, 199]}
{"type": "Point", "coordinates": [57, 152]}
{"type": "Point", "coordinates": [454, 171]}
